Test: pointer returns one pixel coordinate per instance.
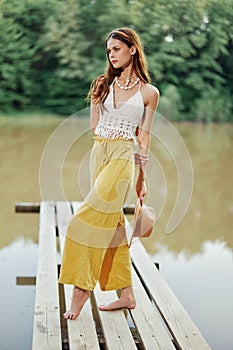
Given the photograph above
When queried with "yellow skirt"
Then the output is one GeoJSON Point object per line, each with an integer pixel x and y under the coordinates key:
{"type": "Point", "coordinates": [96, 248]}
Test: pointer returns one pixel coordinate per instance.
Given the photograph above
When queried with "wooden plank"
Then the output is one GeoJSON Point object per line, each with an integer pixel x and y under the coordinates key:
{"type": "Point", "coordinates": [186, 335]}
{"type": "Point", "coordinates": [47, 332]}
{"type": "Point", "coordinates": [82, 333]}
{"type": "Point", "coordinates": [116, 329]}
{"type": "Point", "coordinates": [75, 206]}
{"type": "Point", "coordinates": [114, 324]}
{"type": "Point", "coordinates": [34, 207]}
{"type": "Point", "coordinates": [129, 209]}
{"type": "Point", "coordinates": [25, 281]}
{"type": "Point", "coordinates": [27, 207]}
{"type": "Point", "coordinates": [149, 325]}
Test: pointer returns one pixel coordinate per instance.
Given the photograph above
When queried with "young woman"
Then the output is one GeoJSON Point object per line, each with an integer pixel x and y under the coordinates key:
{"type": "Point", "coordinates": [123, 104]}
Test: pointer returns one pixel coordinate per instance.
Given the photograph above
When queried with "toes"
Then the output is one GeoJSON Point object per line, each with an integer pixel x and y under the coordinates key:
{"type": "Point", "coordinates": [102, 307]}
{"type": "Point", "coordinates": [66, 315]}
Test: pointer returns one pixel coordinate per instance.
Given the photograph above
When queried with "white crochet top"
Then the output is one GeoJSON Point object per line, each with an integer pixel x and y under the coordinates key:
{"type": "Point", "coordinates": [121, 122]}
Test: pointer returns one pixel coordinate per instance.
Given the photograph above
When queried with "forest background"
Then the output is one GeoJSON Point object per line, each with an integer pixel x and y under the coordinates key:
{"type": "Point", "coordinates": [51, 50]}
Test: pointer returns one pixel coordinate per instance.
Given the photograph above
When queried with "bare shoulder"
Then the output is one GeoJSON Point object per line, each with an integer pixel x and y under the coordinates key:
{"type": "Point", "coordinates": [150, 95]}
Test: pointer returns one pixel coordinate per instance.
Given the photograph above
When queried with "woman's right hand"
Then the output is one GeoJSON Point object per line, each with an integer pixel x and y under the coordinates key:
{"type": "Point", "coordinates": [141, 189]}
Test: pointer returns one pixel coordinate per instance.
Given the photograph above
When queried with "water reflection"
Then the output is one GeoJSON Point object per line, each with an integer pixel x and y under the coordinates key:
{"type": "Point", "coordinates": [17, 301]}
{"type": "Point", "coordinates": [196, 258]}
{"type": "Point", "coordinates": [203, 282]}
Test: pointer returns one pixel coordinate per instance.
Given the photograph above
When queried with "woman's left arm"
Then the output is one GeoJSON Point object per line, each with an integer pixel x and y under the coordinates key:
{"type": "Point", "coordinates": [150, 97]}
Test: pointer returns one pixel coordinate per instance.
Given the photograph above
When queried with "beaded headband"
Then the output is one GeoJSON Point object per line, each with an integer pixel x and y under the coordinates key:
{"type": "Point", "coordinates": [121, 35]}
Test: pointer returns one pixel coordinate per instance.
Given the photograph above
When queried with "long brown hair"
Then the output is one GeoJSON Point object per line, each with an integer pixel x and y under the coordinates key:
{"type": "Point", "coordinates": [100, 87]}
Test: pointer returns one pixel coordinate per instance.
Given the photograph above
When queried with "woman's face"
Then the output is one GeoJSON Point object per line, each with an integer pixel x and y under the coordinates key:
{"type": "Point", "coordinates": [119, 54]}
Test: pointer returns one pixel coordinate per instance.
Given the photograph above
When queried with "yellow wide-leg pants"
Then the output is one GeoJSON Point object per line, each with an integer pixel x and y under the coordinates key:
{"type": "Point", "coordinates": [95, 247]}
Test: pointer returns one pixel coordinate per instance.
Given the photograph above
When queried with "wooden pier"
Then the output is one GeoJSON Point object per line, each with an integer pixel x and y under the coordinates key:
{"type": "Point", "coordinates": [159, 321]}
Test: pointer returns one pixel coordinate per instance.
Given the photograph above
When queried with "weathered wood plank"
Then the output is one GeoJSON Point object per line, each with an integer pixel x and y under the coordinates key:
{"type": "Point", "coordinates": [82, 333]}
{"type": "Point", "coordinates": [179, 323]}
{"type": "Point", "coordinates": [149, 325]}
{"type": "Point", "coordinates": [25, 281]}
{"type": "Point", "coordinates": [75, 206]}
{"type": "Point", "coordinates": [34, 207]}
{"type": "Point", "coordinates": [129, 209]}
{"type": "Point", "coordinates": [47, 331]}
{"type": "Point", "coordinates": [27, 207]}
{"type": "Point", "coordinates": [153, 332]}
{"type": "Point", "coordinates": [114, 324]}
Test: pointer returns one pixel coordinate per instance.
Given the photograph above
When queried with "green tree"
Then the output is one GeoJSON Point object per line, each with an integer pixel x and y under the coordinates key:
{"type": "Point", "coordinates": [185, 41]}
{"type": "Point", "coordinates": [15, 58]}
{"type": "Point", "coordinates": [51, 50]}
{"type": "Point", "coordinates": [170, 104]}
{"type": "Point", "coordinates": [74, 41]}
{"type": "Point", "coordinates": [213, 106]}
{"type": "Point", "coordinates": [64, 46]}
{"type": "Point", "coordinates": [22, 65]}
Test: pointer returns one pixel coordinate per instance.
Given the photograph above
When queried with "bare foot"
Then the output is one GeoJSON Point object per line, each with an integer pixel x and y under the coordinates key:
{"type": "Point", "coordinates": [126, 301]}
{"type": "Point", "coordinates": [79, 298]}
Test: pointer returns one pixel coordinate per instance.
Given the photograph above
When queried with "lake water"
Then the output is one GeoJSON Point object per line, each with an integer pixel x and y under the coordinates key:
{"type": "Point", "coordinates": [195, 258]}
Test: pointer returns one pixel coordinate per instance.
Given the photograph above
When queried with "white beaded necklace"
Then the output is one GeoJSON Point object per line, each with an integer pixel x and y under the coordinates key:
{"type": "Point", "coordinates": [128, 79]}
{"type": "Point", "coordinates": [127, 86]}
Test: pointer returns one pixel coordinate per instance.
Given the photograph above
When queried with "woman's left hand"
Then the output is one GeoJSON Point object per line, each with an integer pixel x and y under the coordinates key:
{"type": "Point", "coordinates": [141, 188]}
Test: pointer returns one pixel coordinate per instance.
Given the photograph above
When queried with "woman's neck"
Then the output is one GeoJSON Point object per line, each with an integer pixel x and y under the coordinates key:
{"type": "Point", "coordinates": [128, 72]}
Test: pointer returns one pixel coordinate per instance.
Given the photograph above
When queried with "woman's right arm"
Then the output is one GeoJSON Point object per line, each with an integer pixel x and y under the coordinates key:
{"type": "Point", "coordinates": [95, 104]}
{"type": "Point", "coordinates": [94, 118]}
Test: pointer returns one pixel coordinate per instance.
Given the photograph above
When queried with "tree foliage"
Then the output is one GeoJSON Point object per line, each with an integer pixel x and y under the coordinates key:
{"type": "Point", "coordinates": [51, 50]}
